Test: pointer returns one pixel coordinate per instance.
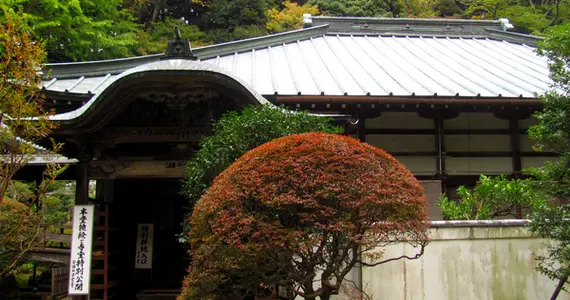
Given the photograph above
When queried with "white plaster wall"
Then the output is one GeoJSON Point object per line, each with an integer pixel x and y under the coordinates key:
{"type": "Point", "coordinates": [478, 165]}
{"type": "Point", "coordinates": [402, 142]}
{"type": "Point", "coordinates": [526, 143]}
{"type": "Point", "coordinates": [528, 162]}
{"type": "Point", "coordinates": [432, 191]}
{"type": "Point", "coordinates": [477, 143]}
{"type": "Point", "coordinates": [476, 121]}
{"type": "Point", "coordinates": [524, 124]}
{"type": "Point", "coordinates": [399, 120]}
{"type": "Point", "coordinates": [471, 263]}
{"type": "Point", "coordinates": [419, 165]}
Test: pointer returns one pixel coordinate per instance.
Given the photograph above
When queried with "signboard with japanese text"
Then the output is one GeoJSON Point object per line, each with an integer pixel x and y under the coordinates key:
{"type": "Point", "coordinates": [81, 242]}
{"type": "Point", "coordinates": [143, 255]}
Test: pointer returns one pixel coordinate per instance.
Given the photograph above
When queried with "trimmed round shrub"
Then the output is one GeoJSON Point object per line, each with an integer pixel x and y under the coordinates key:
{"type": "Point", "coordinates": [296, 205]}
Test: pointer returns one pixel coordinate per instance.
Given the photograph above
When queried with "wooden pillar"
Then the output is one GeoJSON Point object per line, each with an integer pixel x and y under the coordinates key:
{"type": "Point", "coordinates": [515, 147]}
{"type": "Point", "coordinates": [516, 155]}
{"type": "Point", "coordinates": [361, 134]}
{"type": "Point", "coordinates": [440, 149]}
{"type": "Point", "coordinates": [361, 126]}
{"type": "Point", "coordinates": [82, 183]}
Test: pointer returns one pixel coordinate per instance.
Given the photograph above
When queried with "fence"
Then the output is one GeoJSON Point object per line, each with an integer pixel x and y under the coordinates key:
{"type": "Point", "coordinates": [59, 281]}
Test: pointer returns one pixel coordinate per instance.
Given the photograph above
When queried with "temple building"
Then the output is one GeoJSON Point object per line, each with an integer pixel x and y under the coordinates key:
{"type": "Point", "coordinates": [450, 99]}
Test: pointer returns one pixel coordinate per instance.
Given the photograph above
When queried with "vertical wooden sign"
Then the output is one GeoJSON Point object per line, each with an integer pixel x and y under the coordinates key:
{"type": "Point", "coordinates": [143, 255]}
{"type": "Point", "coordinates": [81, 242]}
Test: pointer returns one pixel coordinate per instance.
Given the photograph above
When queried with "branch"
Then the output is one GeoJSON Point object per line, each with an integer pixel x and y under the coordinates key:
{"type": "Point", "coordinates": [557, 13]}
{"type": "Point", "coordinates": [418, 255]}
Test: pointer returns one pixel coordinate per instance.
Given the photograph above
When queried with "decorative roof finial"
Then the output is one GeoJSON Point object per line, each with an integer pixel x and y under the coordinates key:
{"type": "Point", "coordinates": [177, 32]}
{"type": "Point", "coordinates": [178, 47]}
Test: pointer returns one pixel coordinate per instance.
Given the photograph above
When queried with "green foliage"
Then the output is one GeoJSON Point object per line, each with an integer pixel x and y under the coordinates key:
{"type": "Point", "coordinates": [18, 229]}
{"type": "Point", "coordinates": [557, 49]}
{"type": "Point", "coordinates": [79, 30]}
{"type": "Point", "coordinates": [530, 17]}
{"type": "Point", "coordinates": [238, 132]}
{"type": "Point", "coordinates": [358, 8]}
{"type": "Point", "coordinates": [226, 14]}
{"type": "Point", "coordinates": [492, 197]}
{"type": "Point", "coordinates": [84, 30]}
{"type": "Point", "coordinates": [552, 133]}
{"type": "Point", "coordinates": [236, 33]}
{"type": "Point", "coordinates": [553, 222]}
{"type": "Point", "coordinates": [155, 38]}
{"type": "Point", "coordinates": [526, 19]}
{"type": "Point", "coordinates": [290, 17]}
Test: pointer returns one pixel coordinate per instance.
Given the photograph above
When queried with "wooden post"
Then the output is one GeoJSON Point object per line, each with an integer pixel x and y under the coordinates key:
{"type": "Point", "coordinates": [361, 126]}
{"type": "Point", "coordinates": [82, 183]}
{"type": "Point", "coordinates": [516, 155]}
{"type": "Point", "coordinates": [440, 149]}
{"type": "Point", "coordinates": [81, 197]}
{"type": "Point", "coordinates": [515, 147]}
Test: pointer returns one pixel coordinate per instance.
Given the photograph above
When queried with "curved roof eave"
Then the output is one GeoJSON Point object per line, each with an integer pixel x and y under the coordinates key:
{"type": "Point", "coordinates": [174, 67]}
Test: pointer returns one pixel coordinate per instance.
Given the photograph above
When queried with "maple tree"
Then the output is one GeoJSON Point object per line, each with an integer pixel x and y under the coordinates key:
{"type": "Point", "coordinates": [23, 122]}
{"type": "Point", "coordinates": [299, 212]}
{"type": "Point", "coordinates": [20, 100]}
{"type": "Point", "coordinates": [237, 132]}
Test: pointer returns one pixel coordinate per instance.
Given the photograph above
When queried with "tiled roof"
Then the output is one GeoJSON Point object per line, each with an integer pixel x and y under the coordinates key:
{"type": "Point", "coordinates": [355, 57]}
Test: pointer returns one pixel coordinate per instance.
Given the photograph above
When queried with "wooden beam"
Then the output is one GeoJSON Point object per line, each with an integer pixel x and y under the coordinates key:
{"type": "Point", "coordinates": [124, 135]}
{"type": "Point", "coordinates": [428, 131]}
{"type": "Point", "coordinates": [50, 255]}
{"type": "Point", "coordinates": [479, 101]}
{"type": "Point", "coordinates": [101, 170]}
{"type": "Point", "coordinates": [475, 154]}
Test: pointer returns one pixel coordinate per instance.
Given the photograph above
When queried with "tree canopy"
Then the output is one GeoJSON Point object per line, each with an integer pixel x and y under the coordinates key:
{"type": "Point", "coordinates": [91, 30]}
{"type": "Point", "coordinates": [552, 133]}
{"type": "Point", "coordinates": [20, 101]}
{"type": "Point", "coordinates": [237, 132]}
{"type": "Point", "coordinates": [302, 209]}
{"type": "Point", "coordinates": [493, 197]}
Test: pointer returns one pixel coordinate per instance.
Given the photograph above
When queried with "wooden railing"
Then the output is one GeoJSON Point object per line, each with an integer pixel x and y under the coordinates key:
{"type": "Point", "coordinates": [59, 281]}
{"type": "Point", "coordinates": [54, 246]}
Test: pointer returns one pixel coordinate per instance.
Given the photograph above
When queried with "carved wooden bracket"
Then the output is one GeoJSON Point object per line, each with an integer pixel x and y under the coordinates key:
{"type": "Point", "coordinates": [136, 169]}
{"type": "Point", "coordinates": [125, 135]}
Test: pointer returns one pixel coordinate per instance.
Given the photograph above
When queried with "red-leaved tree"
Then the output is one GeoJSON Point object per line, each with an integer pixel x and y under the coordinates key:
{"type": "Point", "coordinates": [298, 213]}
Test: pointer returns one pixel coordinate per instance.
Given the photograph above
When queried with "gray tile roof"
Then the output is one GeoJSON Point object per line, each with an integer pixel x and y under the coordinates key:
{"type": "Point", "coordinates": [362, 63]}
{"type": "Point", "coordinates": [391, 65]}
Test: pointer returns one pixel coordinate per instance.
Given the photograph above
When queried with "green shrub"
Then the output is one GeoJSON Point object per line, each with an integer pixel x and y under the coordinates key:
{"type": "Point", "coordinates": [491, 198]}
{"type": "Point", "coordinates": [237, 132]}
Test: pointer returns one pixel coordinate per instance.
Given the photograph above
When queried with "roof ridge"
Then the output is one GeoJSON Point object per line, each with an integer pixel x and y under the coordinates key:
{"type": "Point", "coordinates": [436, 27]}
{"type": "Point", "coordinates": [514, 37]}
{"type": "Point", "coordinates": [407, 20]}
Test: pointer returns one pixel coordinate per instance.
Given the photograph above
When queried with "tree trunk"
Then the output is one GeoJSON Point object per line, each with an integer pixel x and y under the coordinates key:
{"type": "Point", "coordinates": [559, 287]}
{"type": "Point", "coordinates": [325, 296]}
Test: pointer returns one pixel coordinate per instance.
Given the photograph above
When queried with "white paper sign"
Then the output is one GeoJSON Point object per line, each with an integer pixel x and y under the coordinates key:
{"type": "Point", "coordinates": [80, 260]}
{"type": "Point", "coordinates": [143, 255]}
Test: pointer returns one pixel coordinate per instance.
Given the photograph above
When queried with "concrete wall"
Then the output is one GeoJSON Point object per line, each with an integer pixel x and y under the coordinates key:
{"type": "Point", "coordinates": [475, 261]}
